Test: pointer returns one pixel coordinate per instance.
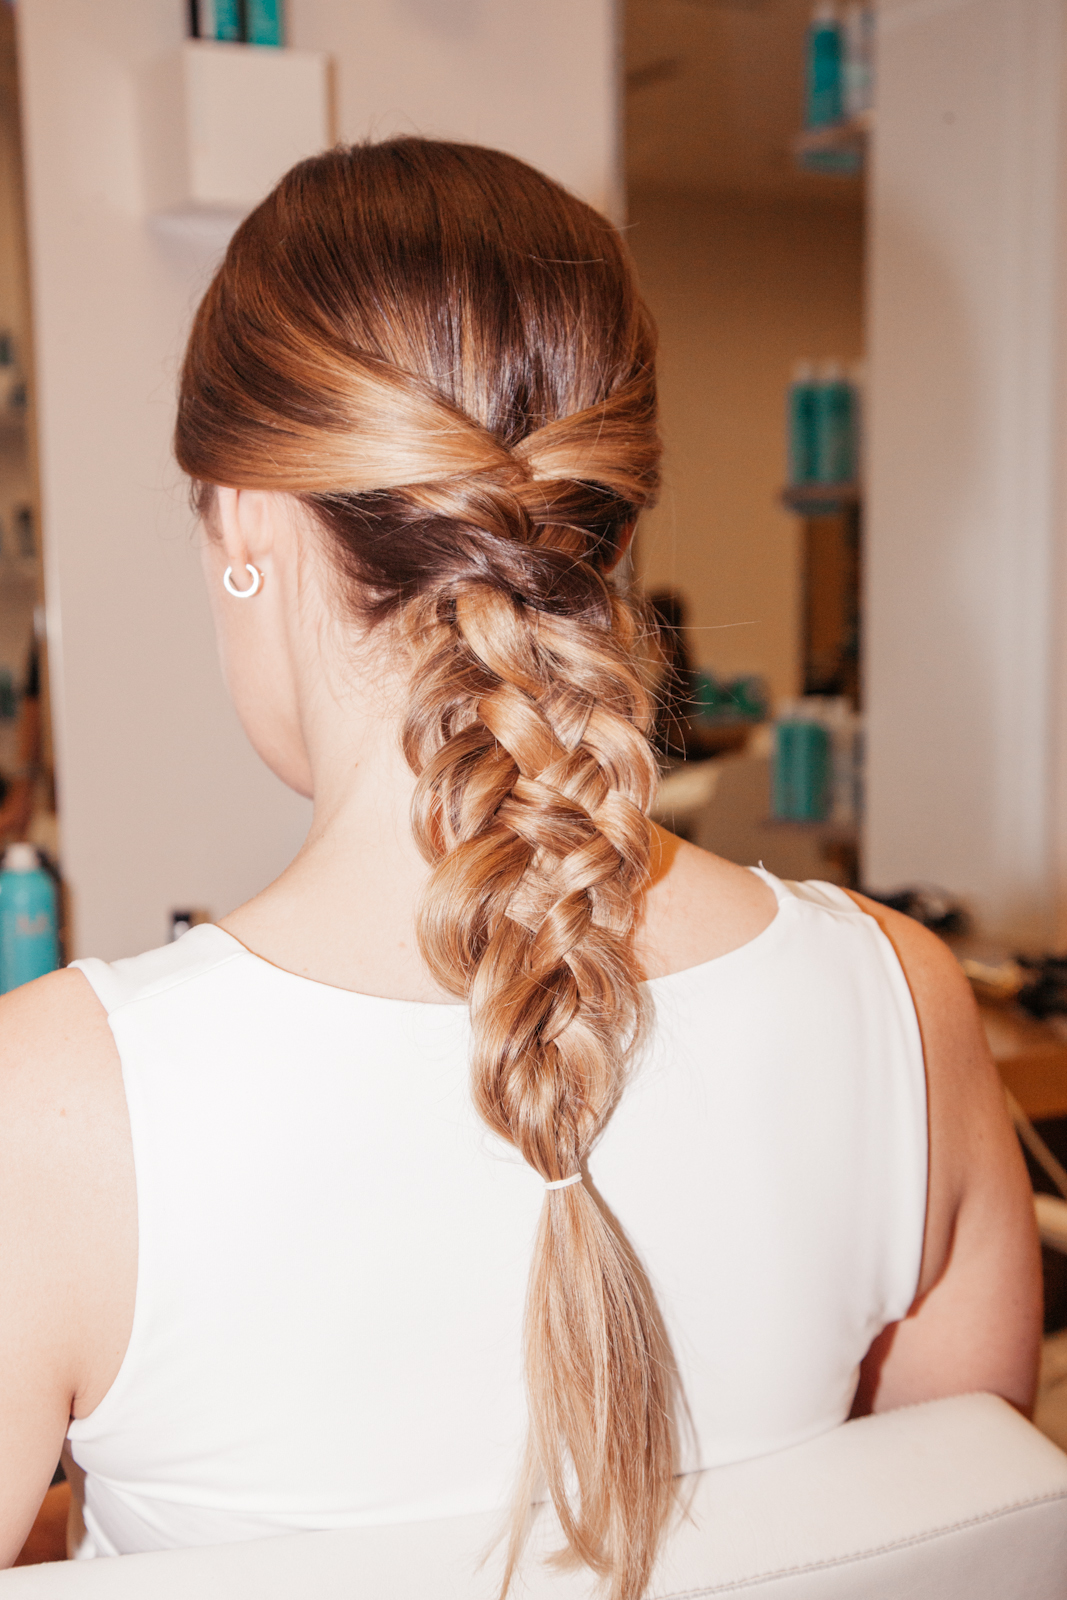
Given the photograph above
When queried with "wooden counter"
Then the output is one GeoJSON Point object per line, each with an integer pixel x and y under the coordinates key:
{"type": "Point", "coordinates": [1031, 1058]}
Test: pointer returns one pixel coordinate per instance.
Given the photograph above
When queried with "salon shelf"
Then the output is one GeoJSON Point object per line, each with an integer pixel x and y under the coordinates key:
{"type": "Point", "coordinates": [820, 499]}
{"type": "Point", "coordinates": [849, 137]}
{"type": "Point", "coordinates": [221, 123]}
{"type": "Point", "coordinates": [12, 428]}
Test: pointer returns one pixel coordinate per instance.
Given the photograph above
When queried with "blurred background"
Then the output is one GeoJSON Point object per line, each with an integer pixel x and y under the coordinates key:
{"type": "Point", "coordinates": [849, 223]}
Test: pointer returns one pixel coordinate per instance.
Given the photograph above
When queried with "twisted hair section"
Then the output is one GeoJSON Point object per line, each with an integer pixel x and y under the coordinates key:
{"type": "Point", "coordinates": [443, 355]}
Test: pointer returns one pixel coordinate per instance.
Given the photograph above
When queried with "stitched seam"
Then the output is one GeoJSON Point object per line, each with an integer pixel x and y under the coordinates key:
{"type": "Point", "coordinates": [173, 983]}
{"type": "Point", "coordinates": [862, 1555]}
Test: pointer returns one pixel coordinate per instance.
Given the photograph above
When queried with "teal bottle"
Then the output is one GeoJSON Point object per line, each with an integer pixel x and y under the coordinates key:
{"type": "Point", "coordinates": [218, 19]}
{"type": "Point", "coordinates": [801, 424]}
{"type": "Point", "coordinates": [264, 22]}
{"type": "Point", "coordinates": [29, 944]}
{"type": "Point", "coordinates": [825, 98]}
{"type": "Point", "coordinates": [835, 429]}
{"type": "Point", "coordinates": [802, 771]}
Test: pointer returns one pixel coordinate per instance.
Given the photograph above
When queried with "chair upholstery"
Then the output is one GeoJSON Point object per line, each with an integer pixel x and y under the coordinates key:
{"type": "Point", "coordinates": [958, 1499]}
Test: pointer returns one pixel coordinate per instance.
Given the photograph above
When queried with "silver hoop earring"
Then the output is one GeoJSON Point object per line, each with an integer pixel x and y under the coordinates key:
{"type": "Point", "coordinates": [253, 588]}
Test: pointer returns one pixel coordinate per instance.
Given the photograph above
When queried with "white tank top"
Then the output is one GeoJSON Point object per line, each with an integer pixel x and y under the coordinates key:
{"type": "Point", "coordinates": [333, 1250]}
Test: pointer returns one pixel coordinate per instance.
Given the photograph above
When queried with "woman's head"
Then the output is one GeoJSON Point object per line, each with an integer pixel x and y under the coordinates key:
{"type": "Point", "coordinates": [418, 314]}
{"type": "Point", "coordinates": [441, 358]}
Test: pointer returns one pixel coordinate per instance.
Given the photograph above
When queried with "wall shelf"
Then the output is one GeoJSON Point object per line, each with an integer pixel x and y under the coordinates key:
{"type": "Point", "coordinates": [820, 499]}
{"type": "Point", "coordinates": [223, 122]}
{"type": "Point", "coordinates": [837, 147]}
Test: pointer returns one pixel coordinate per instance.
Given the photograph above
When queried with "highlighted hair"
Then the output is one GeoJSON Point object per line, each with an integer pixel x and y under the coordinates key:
{"type": "Point", "coordinates": [443, 355]}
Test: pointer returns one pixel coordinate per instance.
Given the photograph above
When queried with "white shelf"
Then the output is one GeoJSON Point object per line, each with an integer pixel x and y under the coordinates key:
{"type": "Point", "coordinates": [820, 499]}
{"type": "Point", "coordinates": [223, 122]}
{"type": "Point", "coordinates": [849, 135]}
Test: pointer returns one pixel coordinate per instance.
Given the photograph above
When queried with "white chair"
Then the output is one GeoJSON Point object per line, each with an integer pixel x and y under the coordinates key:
{"type": "Point", "coordinates": [959, 1499]}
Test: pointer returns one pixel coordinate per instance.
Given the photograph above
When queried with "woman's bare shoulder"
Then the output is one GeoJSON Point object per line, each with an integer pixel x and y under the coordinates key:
{"type": "Point", "coordinates": [67, 1194]}
{"type": "Point", "coordinates": [55, 1044]}
{"type": "Point", "coordinates": [976, 1322]}
{"type": "Point", "coordinates": [698, 907]}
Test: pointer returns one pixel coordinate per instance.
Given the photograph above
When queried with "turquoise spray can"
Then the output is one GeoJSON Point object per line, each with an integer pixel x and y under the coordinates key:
{"type": "Point", "coordinates": [801, 423]}
{"type": "Point", "coordinates": [29, 942]}
{"type": "Point", "coordinates": [264, 22]}
{"type": "Point", "coordinates": [824, 97]}
{"type": "Point", "coordinates": [802, 771]}
{"type": "Point", "coordinates": [835, 428]}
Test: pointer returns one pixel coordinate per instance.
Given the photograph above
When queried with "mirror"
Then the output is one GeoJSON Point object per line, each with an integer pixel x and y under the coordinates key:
{"type": "Point", "coordinates": [752, 263]}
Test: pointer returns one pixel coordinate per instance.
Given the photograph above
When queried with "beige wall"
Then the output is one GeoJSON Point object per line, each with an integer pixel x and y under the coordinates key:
{"type": "Point", "coordinates": [162, 803]}
{"type": "Point", "coordinates": [741, 290]}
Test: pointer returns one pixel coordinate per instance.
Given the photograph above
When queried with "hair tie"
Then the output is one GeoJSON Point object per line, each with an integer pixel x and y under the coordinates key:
{"type": "Point", "coordinates": [565, 1183]}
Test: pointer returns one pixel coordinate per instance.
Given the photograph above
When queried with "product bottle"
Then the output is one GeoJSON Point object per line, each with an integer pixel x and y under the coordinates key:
{"type": "Point", "coordinates": [803, 767]}
{"type": "Point", "coordinates": [800, 422]}
{"type": "Point", "coordinates": [218, 19]}
{"type": "Point", "coordinates": [9, 372]}
{"type": "Point", "coordinates": [859, 58]}
{"type": "Point", "coordinates": [802, 776]}
{"type": "Point", "coordinates": [264, 22]}
{"type": "Point", "coordinates": [29, 946]}
{"type": "Point", "coordinates": [825, 86]}
{"type": "Point", "coordinates": [835, 427]}
{"type": "Point", "coordinates": [857, 379]}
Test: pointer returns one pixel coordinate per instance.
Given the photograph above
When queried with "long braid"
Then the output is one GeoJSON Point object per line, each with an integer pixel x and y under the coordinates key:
{"type": "Point", "coordinates": [527, 730]}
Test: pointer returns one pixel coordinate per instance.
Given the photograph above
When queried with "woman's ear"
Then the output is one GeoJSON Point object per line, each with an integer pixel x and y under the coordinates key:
{"type": "Point", "coordinates": [246, 522]}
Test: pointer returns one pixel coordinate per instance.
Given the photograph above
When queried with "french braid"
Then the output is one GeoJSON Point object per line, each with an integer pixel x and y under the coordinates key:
{"type": "Point", "coordinates": [532, 803]}
{"type": "Point", "coordinates": [477, 473]}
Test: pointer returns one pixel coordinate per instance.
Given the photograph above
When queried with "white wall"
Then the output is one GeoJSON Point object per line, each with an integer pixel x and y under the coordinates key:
{"type": "Point", "coordinates": [162, 803]}
{"type": "Point", "coordinates": [537, 78]}
{"type": "Point", "coordinates": [965, 524]}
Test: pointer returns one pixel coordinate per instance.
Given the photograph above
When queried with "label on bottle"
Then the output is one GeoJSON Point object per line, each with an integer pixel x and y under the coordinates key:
{"type": "Point", "coordinates": [28, 944]}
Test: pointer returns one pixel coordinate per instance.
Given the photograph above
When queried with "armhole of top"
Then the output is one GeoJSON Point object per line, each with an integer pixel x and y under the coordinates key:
{"type": "Point", "coordinates": [101, 980]}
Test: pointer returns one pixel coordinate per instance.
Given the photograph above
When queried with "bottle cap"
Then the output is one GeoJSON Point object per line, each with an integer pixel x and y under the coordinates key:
{"type": "Point", "coordinates": [803, 372]}
{"type": "Point", "coordinates": [824, 11]}
{"type": "Point", "coordinates": [21, 858]}
{"type": "Point", "coordinates": [831, 372]}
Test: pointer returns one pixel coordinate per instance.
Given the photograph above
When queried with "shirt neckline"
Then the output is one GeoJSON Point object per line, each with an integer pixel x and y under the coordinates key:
{"type": "Point", "coordinates": [781, 894]}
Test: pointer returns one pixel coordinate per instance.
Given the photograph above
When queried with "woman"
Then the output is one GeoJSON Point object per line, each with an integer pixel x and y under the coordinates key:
{"type": "Point", "coordinates": [270, 1197]}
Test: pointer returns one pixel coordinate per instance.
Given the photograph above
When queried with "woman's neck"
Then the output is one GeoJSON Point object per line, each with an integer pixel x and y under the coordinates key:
{"type": "Point", "coordinates": [344, 911]}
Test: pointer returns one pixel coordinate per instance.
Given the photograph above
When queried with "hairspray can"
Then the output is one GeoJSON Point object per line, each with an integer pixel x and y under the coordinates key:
{"type": "Point", "coordinates": [29, 943]}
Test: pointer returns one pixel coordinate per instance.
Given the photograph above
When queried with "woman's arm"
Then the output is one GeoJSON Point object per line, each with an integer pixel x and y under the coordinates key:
{"type": "Point", "coordinates": [976, 1321]}
{"type": "Point", "coordinates": [68, 1242]}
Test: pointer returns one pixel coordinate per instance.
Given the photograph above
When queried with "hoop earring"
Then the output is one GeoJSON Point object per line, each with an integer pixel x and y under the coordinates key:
{"type": "Point", "coordinates": [253, 588]}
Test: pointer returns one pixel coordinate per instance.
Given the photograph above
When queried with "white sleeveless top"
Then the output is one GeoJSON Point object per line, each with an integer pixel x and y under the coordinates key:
{"type": "Point", "coordinates": [333, 1250]}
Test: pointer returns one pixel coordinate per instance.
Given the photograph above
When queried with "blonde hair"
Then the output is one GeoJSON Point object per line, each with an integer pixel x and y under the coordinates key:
{"type": "Point", "coordinates": [444, 356]}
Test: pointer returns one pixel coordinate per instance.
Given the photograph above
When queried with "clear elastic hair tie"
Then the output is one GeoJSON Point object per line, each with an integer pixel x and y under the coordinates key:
{"type": "Point", "coordinates": [565, 1183]}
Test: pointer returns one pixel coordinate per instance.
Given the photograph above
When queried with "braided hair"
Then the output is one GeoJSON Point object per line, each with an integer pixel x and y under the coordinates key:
{"type": "Point", "coordinates": [443, 355]}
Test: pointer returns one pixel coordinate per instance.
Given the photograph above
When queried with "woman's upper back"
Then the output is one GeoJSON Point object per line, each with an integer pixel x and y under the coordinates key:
{"type": "Point", "coordinates": [334, 1250]}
